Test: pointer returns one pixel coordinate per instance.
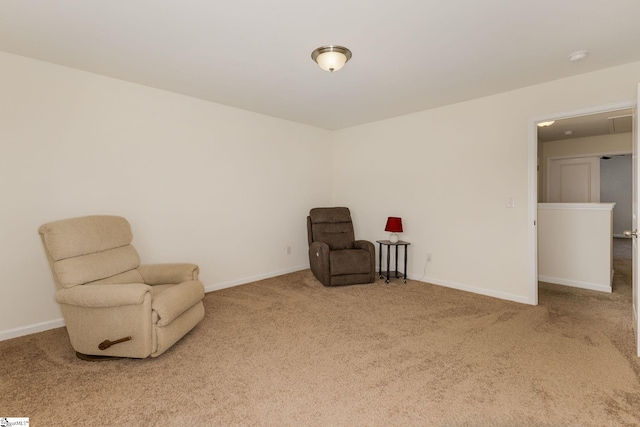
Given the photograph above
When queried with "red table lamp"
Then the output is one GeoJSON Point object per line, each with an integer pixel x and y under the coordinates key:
{"type": "Point", "coordinates": [394, 225]}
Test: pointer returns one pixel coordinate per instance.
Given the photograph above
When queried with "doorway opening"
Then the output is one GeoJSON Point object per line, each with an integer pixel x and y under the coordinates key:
{"type": "Point", "coordinates": [574, 134]}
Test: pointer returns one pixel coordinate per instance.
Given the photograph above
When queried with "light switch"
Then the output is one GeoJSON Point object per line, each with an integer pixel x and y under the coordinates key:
{"type": "Point", "coordinates": [510, 202]}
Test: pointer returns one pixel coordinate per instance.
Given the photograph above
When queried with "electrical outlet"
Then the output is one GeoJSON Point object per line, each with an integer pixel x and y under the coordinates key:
{"type": "Point", "coordinates": [428, 257]}
{"type": "Point", "coordinates": [288, 250]}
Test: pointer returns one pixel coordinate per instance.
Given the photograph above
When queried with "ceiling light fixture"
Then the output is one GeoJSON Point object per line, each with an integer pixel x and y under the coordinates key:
{"type": "Point", "coordinates": [578, 56]}
{"type": "Point", "coordinates": [545, 124]}
{"type": "Point", "coordinates": [331, 58]}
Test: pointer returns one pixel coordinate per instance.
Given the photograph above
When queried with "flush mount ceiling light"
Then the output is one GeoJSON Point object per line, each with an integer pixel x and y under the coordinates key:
{"type": "Point", "coordinates": [331, 58]}
{"type": "Point", "coordinates": [578, 56]}
{"type": "Point", "coordinates": [545, 124]}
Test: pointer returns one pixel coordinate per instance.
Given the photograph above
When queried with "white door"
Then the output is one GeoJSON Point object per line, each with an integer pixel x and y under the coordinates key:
{"type": "Point", "coordinates": [574, 180]}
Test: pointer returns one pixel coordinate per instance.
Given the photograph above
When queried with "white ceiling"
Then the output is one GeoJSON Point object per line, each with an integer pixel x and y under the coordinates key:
{"type": "Point", "coordinates": [408, 55]}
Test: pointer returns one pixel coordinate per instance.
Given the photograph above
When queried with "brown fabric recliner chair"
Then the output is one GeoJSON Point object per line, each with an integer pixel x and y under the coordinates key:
{"type": "Point", "coordinates": [112, 305]}
{"type": "Point", "coordinates": [336, 258]}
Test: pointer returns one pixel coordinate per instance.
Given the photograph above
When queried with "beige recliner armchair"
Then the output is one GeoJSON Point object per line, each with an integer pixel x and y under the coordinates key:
{"type": "Point", "coordinates": [112, 305]}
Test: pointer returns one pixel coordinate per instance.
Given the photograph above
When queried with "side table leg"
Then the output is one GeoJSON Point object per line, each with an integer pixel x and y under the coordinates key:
{"type": "Point", "coordinates": [395, 267]}
{"type": "Point", "coordinates": [380, 260]}
{"type": "Point", "coordinates": [405, 263]}
{"type": "Point", "coordinates": [388, 263]}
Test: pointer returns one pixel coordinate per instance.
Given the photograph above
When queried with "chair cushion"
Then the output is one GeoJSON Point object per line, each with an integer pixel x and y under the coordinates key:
{"type": "Point", "coordinates": [330, 215]}
{"type": "Point", "coordinates": [350, 261]}
{"type": "Point", "coordinates": [96, 296]}
{"type": "Point", "coordinates": [131, 276]}
{"type": "Point", "coordinates": [85, 235]}
{"type": "Point", "coordinates": [332, 226]}
{"type": "Point", "coordinates": [96, 266]}
{"type": "Point", "coordinates": [337, 235]}
{"type": "Point", "coordinates": [89, 249]}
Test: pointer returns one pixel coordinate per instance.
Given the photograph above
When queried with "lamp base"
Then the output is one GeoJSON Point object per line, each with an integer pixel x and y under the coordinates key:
{"type": "Point", "coordinates": [393, 238]}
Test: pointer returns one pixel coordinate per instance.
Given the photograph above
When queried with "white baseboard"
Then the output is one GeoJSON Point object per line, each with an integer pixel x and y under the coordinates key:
{"type": "Point", "coordinates": [31, 329]}
{"type": "Point", "coordinates": [58, 323]}
{"type": "Point", "coordinates": [474, 290]}
{"type": "Point", "coordinates": [576, 284]}
{"type": "Point", "coordinates": [232, 283]}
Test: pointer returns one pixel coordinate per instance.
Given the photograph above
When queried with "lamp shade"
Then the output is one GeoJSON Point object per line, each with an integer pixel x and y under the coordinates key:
{"type": "Point", "coordinates": [394, 224]}
{"type": "Point", "coordinates": [331, 61]}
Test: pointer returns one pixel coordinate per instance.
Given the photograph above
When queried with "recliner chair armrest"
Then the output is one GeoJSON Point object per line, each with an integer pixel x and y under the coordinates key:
{"type": "Point", "coordinates": [369, 247]}
{"type": "Point", "coordinates": [320, 249]}
{"type": "Point", "coordinates": [172, 302]}
{"type": "Point", "coordinates": [113, 295]}
{"type": "Point", "coordinates": [365, 244]}
{"type": "Point", "coordinates": [161, 274]}
{"type": "Point", "coordinates": [319, 262]}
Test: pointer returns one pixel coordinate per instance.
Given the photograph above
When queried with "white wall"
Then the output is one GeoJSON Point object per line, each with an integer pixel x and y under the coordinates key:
{"type": "Point", "coordinates": [616, 179]}
{"type": "Point", "coordinates": [448, 171]}
{"type": "Point", "coordinates": [199, 182]}
{"type": "Point", "coordinates": [229, 189]}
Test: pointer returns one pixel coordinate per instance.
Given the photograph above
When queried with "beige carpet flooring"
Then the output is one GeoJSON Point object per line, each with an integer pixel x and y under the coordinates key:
{"type": "Point", "coordinates": [289, 352]}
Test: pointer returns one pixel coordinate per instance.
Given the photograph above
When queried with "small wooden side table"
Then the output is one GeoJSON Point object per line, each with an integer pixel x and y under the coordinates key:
{"type": "Point", "coordinates": [395, 273]}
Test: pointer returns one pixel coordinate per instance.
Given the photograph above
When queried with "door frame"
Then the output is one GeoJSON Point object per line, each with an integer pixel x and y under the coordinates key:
{"type": "Point", "coordinates": [634, 221]}
{"type": "Point", "coordinates": [532, 183]}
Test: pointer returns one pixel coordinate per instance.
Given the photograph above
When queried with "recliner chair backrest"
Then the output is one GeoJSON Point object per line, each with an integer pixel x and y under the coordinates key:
{"type": "Point", "coordinates": [91, 249]}
{"type": "Point", "coordinates": [332, 226]}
